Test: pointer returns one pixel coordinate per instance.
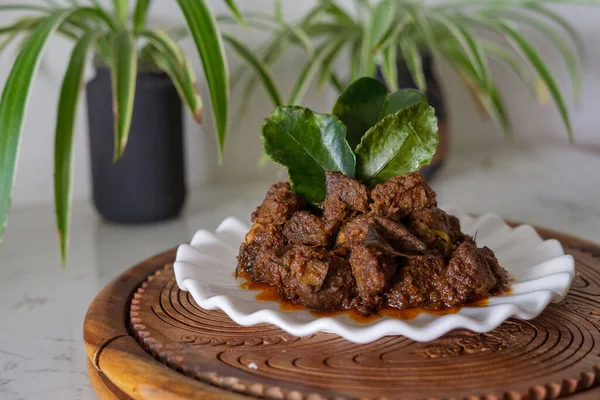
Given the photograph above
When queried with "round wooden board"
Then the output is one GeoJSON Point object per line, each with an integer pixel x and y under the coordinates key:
{"type": "Point", "coordinates": [146, 339]}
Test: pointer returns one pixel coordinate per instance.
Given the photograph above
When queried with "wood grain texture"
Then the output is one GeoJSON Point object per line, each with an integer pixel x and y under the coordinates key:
{"type": "Point", "coordinates": [166, 347]}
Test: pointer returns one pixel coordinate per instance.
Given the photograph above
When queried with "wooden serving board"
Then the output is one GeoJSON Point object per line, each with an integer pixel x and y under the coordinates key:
{"type": "Point", "coordinates": [146, 339]}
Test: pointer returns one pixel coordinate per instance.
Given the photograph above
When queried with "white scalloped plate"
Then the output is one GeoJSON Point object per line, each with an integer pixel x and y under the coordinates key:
{"type": "Point", "coordinates": [542, 273]}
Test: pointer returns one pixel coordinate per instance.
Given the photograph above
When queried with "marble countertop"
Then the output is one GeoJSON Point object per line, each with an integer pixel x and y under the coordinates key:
{"type": "Point", "coordinates": [42, 306]}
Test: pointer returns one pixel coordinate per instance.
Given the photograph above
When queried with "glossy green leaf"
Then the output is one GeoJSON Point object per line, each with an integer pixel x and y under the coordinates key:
{"type": "Point", "coordinates": [123, 77]}
{"type": "Point", "coordinates": [204, 31]}
{"type": "Point", "coordinates": [414, 62]}
{"type": "Point", "coordinates": [140, 15]}
{"type": "Point", "coordinates": [398, 144]}
{"type": "Point", "coordinates": [359, 107]}
{"type": "Point", "coordinates": [262, 70]}
{"type": "Point", "coordinates": [64, 138]}
{"type": "Point", "coordinates": [307, 144]}
{"type": "Point", "coordinates": [14, 103]}
{"type": "Point", "coordinates": [400, 99]}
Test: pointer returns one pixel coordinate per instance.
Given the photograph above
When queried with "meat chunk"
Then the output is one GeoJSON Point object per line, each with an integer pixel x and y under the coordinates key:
{"type": "Point", "coordinates": [260, 255]}
{"type": "Point", "coordinates": [469, 276]}
{"type": "Point", "coordinates": [354, 232]}
{"type": "Point", "coordinates": [317, 279]}
{"type": "Point", "coordinates": [372, 269]}
{"type": "Point", "coordinates": [366, 250]}
{"type": "Point", "coordinates": [417, 283]}
{"type": "Point", "coordinates": [500, 273]}
{"type": "Point", "coordinates": [344, 195]}
{"type": "Point", "coordinates": [399, 236]}
{"type": "Point", "coordinates": [278, 206]}
{"type": "Point", "coordinates": [456, 234]}
{"type": "Point", "coordinates": [307, 228]}
{"type": "Point", "coordinates": [402, 196]}
{"type": "Point", "coordinates": [434, 218]}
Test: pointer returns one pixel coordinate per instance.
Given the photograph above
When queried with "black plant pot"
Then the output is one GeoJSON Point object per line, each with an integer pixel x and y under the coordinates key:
{"type": "Point", "coordinates": [148, 183]}
{"type": "Point", "coordinates": [436, 99]}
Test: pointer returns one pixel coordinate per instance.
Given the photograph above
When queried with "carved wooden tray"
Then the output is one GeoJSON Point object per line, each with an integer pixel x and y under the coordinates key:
{"type": "Point", "coordinates": [146, 339]}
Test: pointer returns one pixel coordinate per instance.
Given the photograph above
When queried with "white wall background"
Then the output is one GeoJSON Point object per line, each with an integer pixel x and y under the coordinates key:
{"type": "Point", "coordinates": [533, 123]}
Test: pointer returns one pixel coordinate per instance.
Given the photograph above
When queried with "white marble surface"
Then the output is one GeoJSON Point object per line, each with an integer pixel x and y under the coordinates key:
{"type": "Point", "coordinates": [42, 306]}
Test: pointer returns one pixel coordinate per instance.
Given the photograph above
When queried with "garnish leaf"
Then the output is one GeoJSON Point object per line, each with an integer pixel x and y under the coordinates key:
{"type": "Point", "coordinates": [366, 101]}
{"type": "Point", "coordinates": [359, 107]}
{"type": "Point", "coordinates": [400, 143]}
{"type": "Point", "coordinates": [402, 99]}
{"type": "Point", "coordinates": [307, 144]}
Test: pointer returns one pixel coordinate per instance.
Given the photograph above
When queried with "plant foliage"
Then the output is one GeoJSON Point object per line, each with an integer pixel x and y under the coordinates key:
{"type": "Point", "coordinates": [378, 34]}
{"type": "Point", "coordinates": [120, 39]}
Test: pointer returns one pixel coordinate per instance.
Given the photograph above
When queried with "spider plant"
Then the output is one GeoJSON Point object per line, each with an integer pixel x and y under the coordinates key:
{"type": "Point", "coordinates": [121, 39]}
{"type": "Point", "coordinates": [467, 33]}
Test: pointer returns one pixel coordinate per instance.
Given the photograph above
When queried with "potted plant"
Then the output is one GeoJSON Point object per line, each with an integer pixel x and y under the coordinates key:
{"type": "Point", "coordinates": [142, 74]}
{"type": "Point", "coordinates": [398, 41]}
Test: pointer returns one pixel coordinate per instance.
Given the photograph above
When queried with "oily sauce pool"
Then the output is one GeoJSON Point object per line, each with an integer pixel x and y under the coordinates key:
{"type": "Point", "coordinates": [269, 293]}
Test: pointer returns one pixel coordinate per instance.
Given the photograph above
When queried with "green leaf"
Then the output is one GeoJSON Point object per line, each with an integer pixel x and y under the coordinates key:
{"type": "Point", "coordinates": [562, 45]}
{"type": "Point", "coordinates": [140, 15]}
{"type": "Point", "coordinates": [121, 10]}
{"type": "Point", "coordinates": [235, 11]}
{"type": "Point", "coordinates": [538, 63]}
{"type": "Point", "coordinates": [23, 7]}
{"type": "Point", "coordinates": [309, 71]}
{"type": "Point", "coordinates": [567, 27]}
{"type": "Point", "coordinates": [307, 144]}
{"type": "Point", "coordinates": [163, 41]}
{"type": "Point", "coordinates": [123, 76]}
{"type": "Point", "coordinates": [174, 64]}
{"type": "Point", "coordinates": [327, 64]}
{"type": "Point", "coordinates": [263, 71]}
{"type": "Point", "coordinates": [64, 138]}
{"type": "Point", "coordinates": [14, 103]}
{"type": "Point", "coordinates": [414, 61]}
{"type": "Point", "coordinates": [392, 36]}
{"type": "Point", "coordinates": [389, 68]}
{"type": "Point", "coordinates": [486, 95]}
{"type": "Point", "coordinates": [302, 38]}
{"type": "Point", "coordinates": [403, 98]}
{"type": "Point", "coordinates": [355, 61]}
{"type": "Point", "coordinates": [469, 45]}
{"type": "Point", "coordinates": [398, 144]}
{"type": "Point", "coordinates": [384, 19]}
{"type": "Point", "coordinates": [359, 107]}
{"type": "Point", "coordinates": [277, 11]}
{"type": "Point", "coordinates": [203, 27]}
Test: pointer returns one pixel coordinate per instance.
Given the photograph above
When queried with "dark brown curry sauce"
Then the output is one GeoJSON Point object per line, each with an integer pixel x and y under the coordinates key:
{"type": "Point", "coordinates": [269, 293]}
